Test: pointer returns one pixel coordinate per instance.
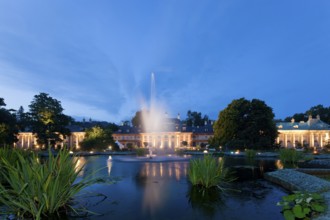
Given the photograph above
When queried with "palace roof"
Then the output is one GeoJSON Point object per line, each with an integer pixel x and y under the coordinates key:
{"type": "Point", "coordinates": [311, 124]}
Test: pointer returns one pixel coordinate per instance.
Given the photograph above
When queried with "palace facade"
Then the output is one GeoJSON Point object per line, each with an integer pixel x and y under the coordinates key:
{"type": "Point", "coordinates": [173, 134]}
{"type": "Point", "coordinates": [176, 134]}
{"type": "Point", "coordinates": [312, 133]}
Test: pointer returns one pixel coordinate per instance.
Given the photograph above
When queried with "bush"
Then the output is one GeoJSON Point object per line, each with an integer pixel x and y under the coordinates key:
{"type": "Point", "coordinates": [250, 153]}
{"type": "Point", "coordinates": [207, 172]}
{"type": "Point", "coordinates": [141, 151]}
{"type": "Point", "coordinates": [34, 189]}
{"type": "Point", "coordinates": [302, 205]}
{"type": "Point", "coordinates": [290, 156]}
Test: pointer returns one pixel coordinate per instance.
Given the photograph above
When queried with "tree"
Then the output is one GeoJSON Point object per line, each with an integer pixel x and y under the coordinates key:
{"type": "Point", "coordinates": [47, 120]}
{"type": "Point", "coordinates": [137, 120]}
{"type": "Point", "coordinates": [196, 119]}
{"type": "Point", "coordinates": [323, 112]}
{"type": "Point", "coordinates": [22, 119]}
{"type": "Point", "coordinates": [245, 124]}
{"type": "Point", "coordinates": [8, 128]}
{"type": "Point", "coordinates": [97, 138]}
{"type": "Point", "coordinates": [297, 117]}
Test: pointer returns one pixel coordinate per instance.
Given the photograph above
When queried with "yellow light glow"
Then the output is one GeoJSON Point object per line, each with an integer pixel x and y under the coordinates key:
{"type": "Point", "coordinates": [279, 165]}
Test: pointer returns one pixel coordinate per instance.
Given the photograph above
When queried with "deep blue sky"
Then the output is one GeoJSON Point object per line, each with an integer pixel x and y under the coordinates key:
{"type": "Point", "coordinates": [96, 57]}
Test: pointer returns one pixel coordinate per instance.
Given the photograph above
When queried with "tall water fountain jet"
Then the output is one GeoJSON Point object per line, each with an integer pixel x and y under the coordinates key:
{"type": "Point", "coordinates": [154, 121]}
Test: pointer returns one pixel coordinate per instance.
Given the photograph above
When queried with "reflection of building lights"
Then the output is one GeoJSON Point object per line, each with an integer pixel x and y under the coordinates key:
{"type": "Point", "coordinates": [91, 152]}
{"type": "Point", "coordinates": [185, 169]}
{"type": "Point", "coordinates": [177, 171]}
{"type": "Point", "coordinates": [154, 170]}
{"type": "Point", "coordinates": [80, 163]}
{"type": "Point", "coordinates": [237, 152]}
{"type": "Point", "coordinates": [109, 165]}
{"type": "Point", "coordinates": [169, 172]}
{"type": "Point", "coordinates": [205, 151]}
{"type": "Point", "coordinates": [279, 165]}
{"type": "Point", "coordinates": [161, 169]}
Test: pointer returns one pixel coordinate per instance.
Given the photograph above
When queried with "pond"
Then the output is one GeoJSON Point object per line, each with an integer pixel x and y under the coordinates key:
{"type": "Point", "coordinates": [150, 189]}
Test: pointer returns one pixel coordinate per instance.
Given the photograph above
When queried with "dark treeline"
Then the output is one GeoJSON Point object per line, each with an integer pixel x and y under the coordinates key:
{"type": "Point", "coordinates": [46, 120]}
{"type": "Point", "coordinates": [242, 123]}
{"type": "Point", "coordinates": [323, 112]}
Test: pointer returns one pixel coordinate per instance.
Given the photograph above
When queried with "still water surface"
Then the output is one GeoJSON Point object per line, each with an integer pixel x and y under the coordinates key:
{"type": "Point", "coordinates": [160, 190]}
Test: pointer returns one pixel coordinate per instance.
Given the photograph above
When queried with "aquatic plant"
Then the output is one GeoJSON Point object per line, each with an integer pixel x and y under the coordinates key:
{"type": "Point", "coordinates": [208, 200]}
{"type": "Point", "coordinates": [249, 153]}
{"type": "Point", "coordinates": [34, 189]}
{"type": "Point", "coordinates": [11, 156]}
{"type": "Point", "coordinates": [290, 156]}
{"type": "Point", "coordinates": [206, 172]}
{"type": "Point", "coordinates": [302, 205]}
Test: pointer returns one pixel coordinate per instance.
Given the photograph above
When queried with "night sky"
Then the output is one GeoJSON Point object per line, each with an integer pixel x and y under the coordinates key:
{"type": "Point", "coordinates": [96, 57]}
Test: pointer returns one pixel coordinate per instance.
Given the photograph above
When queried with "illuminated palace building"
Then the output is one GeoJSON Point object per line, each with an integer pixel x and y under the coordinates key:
{"type": "Point", "coordinates": [175, 134]}
{"type": "Point", "coordinates": [172, 134]}
{"type": "Point", "coordinates": [28, 140]}
{"type": "Point", "coordinates": [313, 133]}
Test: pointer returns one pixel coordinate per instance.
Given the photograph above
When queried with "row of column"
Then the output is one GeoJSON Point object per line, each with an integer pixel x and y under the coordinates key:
{"type": "Point", "coordinates": [313, 139]}
{"type": "Point", "coordinates": [30, 141]}
{"type": "Point", "coordinates": [165, 140]}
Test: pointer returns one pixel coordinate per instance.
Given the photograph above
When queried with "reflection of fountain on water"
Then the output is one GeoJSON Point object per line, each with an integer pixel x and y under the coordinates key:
{"type": "Point", "coordinates": [155, 158]}
{"type": "Point", "coordinates": [109, 164]}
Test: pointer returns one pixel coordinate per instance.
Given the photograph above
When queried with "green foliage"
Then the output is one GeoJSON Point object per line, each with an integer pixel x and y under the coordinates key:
{"type": "Point", "coordinates": [8, 127]}
{"type": "Point", "coordinates": [301, 205]}
{"type": "Point", "coordinates": [323, 112]}
{"type": "Point", "coordinates": [250, 153]}
{"type": "Point", "coordinates": [22, 119]}
{"type": "Point", "coordinates": [141, 151]}
{"type": "Point", "coordinates": [207, 172]}
{"type": "Point", "coordinates": [97, 138]}
{"type": "Point", "coordinates": [11, 156]}
{"type": "Point", "coordinates": [137, 120]}
{"type": "Point", "coordinates": [196, 119]}
{"type": "Point", "coordinates": [290, 156]}
{"type": "Point", "coordinates": [47, 119]}
{"type": "Point", "coordinates": [246, 124]}
{"type": "Point", "coordinates": [34, 189]}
